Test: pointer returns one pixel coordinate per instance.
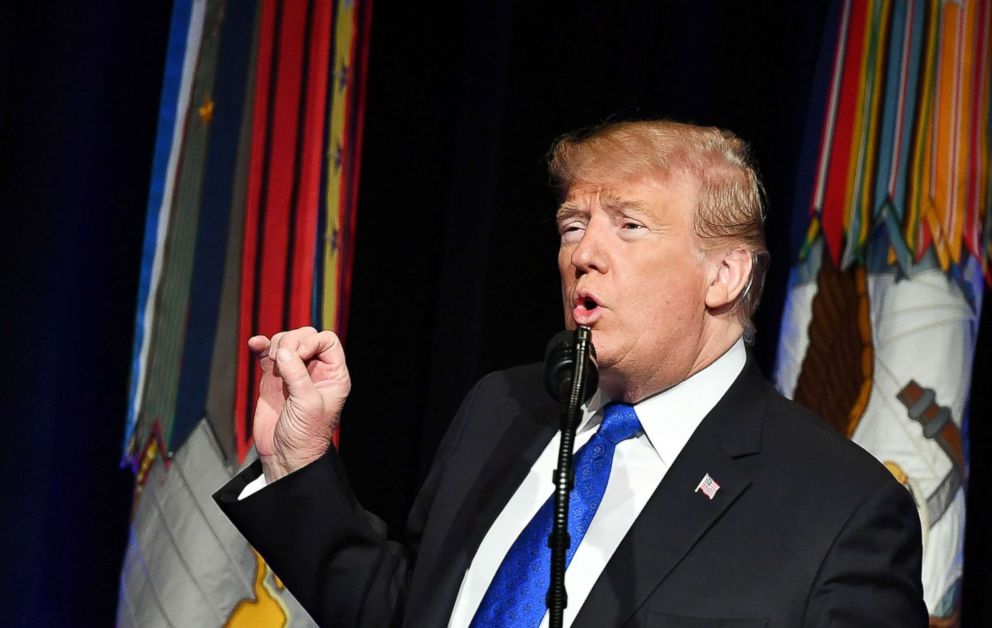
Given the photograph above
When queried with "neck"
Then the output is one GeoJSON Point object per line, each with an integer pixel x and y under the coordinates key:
{"type": "Point", "coordinates": [668, 372]}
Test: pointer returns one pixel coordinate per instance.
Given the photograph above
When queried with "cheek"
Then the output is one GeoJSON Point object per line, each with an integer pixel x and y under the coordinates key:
{"type": "Point", "coordinates": [566, 290]}
{"type": "Point", "coordinates": [670, 297]}
{"type": "Point", "coordinates": [566, 285]}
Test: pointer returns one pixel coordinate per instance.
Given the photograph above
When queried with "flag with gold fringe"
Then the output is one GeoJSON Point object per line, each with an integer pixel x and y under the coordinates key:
{"type": "Point", "coordinates": [250, 229]}
{"type": "Point", "coordinates": [881, 319]}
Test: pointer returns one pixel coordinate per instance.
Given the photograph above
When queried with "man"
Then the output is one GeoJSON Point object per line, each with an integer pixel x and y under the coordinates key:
{"type": "Point", "coordinates": [724, 504]}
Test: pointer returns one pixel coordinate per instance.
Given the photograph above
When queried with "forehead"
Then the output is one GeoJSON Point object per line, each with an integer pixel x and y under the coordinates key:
{"type": "Point", "coordinates": [651, 193]}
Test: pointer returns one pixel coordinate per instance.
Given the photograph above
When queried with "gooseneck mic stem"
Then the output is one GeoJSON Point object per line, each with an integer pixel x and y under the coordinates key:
{"type": "Point", "coordinates": [571, 377]}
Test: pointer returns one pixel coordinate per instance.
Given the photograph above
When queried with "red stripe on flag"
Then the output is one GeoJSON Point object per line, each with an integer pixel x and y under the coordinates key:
{"type": "Point", "coordinates": [924, 237]}
{"type": "Point", "coordinates": [832, 214]}
{"type": "Point", "coordinates": [308, 197]}
{"type": "Point", "coordinates": [978, 151]}
{"type": "Point", "coordinates": [272, 287]}
{"type": "Point", "coordinates": [271, 177]}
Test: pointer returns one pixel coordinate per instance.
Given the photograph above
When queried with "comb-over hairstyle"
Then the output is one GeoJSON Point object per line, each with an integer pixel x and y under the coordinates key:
{"type": "Point", "coordinates": [731, 203]}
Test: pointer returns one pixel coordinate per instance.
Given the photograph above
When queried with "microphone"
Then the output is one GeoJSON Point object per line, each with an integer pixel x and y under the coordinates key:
{"type": "Point", "coordinates": [571, 376]}
{"type": "Point", "coordinates": [559, 364]}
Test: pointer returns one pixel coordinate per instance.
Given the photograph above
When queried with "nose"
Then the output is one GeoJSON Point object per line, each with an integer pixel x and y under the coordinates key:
{"type": "Point", "coordinates": [589, 254]}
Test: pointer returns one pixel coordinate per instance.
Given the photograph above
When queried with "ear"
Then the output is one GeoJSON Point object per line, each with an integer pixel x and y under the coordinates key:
{"type": "Point", "coordinates": [732, 273]}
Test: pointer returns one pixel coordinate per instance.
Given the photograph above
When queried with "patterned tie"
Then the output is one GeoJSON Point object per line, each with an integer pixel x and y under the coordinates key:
{"type": "Point", "coordinates": [516, 595]}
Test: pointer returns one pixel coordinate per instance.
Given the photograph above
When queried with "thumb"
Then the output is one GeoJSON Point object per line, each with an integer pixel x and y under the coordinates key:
{"type": "Point", "coordinates": [294, 374]}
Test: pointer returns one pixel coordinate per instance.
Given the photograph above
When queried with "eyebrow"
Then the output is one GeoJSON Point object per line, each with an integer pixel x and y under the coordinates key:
{"type": "Point", "coordinates": [613, 203]}
{"type": "Point", "coordinates": [568, 210]}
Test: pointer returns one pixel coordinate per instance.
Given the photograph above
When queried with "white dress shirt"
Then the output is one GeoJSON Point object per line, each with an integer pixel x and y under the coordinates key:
{"type": "Point", "coordinates": [639, 464]}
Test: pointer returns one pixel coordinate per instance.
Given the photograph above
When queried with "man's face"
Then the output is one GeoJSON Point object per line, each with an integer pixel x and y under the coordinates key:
{"type": "Point", "coordinates": [633, 271]}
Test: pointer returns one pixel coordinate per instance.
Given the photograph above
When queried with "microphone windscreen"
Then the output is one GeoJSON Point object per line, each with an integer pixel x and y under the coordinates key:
{"type": "Point", "coordinates": [559, 367]}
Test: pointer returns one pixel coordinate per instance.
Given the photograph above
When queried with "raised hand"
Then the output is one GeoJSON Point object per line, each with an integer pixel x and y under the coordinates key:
{"type": "Point", "coordinates": [304, 385]}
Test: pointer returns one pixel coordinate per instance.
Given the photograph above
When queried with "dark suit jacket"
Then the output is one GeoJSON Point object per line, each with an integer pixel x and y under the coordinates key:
{"type": "Point", "coordinates": [807, 529]}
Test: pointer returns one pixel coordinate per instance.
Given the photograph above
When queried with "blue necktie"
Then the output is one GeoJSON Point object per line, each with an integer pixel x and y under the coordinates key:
{"type": "Point", "coordinates": [516, 595]}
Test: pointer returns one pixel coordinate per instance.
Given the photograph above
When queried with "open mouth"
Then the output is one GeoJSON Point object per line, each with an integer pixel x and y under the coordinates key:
{"type": "Point", "coordinates": [586, 309]}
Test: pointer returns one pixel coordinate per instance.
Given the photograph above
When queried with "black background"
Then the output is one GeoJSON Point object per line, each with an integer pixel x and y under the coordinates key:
{"type": "Point", "coordinates": [454, 273]}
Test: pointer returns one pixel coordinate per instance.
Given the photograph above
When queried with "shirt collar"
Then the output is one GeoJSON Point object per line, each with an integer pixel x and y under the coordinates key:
{"type": "Point", "coordinates": [670, 417]}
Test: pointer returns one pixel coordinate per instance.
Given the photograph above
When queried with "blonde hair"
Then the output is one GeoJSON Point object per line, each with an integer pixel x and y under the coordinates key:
{"type": "Point", "coordinates": [731, 200]}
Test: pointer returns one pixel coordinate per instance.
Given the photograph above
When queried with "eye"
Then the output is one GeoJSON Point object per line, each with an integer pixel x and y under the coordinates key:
{"type": "Point", "coordinates": [632, 228]}
{"type": "Point", "coordinates": [571, 231]}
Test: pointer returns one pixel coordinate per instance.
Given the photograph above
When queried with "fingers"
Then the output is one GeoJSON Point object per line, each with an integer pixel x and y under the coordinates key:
{"type": "Point", "coordinates": [259, 345]}
{"type": "Point", "coordinates": [294, 374]}
{"type": "Point", "coordinates": [289, 340]}
{"type": "Point", "coordinates": [306, 343]}
{"type": "Point", "coordinates": [325, 346]}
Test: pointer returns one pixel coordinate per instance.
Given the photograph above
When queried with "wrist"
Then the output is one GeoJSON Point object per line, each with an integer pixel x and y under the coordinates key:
{"type": "Point", "coordinates": [275, 466]}
{"type": "Point", "coordinates": [291, 450]}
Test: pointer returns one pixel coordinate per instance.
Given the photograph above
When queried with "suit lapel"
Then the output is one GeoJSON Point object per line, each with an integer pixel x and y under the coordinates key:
{"type": "Point", "coordinates": [677, 516]}
{"type": "Point", "coordinates": [502, 471]}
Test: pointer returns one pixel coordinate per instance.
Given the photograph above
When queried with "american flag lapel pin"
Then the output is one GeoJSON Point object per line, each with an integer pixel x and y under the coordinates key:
{"type": "Point", "coordinates": [708, 486]}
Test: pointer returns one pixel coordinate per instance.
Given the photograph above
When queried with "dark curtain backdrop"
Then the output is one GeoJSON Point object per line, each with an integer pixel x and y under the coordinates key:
{"type": "Point", "coordinates": [455, 257]}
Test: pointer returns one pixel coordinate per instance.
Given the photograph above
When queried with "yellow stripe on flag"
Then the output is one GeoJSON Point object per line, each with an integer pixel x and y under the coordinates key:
{"type": "Point", "coordinates": [856, 161]}
{"type": "Point", "coordinates": [873, 107]}
{"type": "Point", "coordinates": [337, 138]}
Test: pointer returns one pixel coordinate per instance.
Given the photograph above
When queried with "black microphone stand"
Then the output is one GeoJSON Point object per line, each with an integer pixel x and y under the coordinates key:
{"type": "Point", "coordinates": [564, 475]}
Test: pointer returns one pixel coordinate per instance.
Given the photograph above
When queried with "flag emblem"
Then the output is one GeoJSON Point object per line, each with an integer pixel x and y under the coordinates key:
{"type": "Point", "coordinates": [708, 486]}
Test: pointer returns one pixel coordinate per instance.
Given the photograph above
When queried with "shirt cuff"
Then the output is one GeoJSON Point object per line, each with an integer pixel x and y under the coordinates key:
{"type": "Point", "coordinates": [253, 487]}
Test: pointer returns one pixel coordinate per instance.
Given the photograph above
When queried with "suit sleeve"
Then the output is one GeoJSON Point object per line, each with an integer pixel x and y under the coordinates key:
{"type": "Point", "coordinates": [333, 555]}
{"type": "Point", "coordinates": [871, 575]}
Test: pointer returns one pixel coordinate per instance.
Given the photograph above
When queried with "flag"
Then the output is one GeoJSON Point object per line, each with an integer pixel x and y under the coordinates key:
{"type": "Point", "coordinates": [881, 318]}
{"type": "Point", "coordinates": [708, 486]}
{"type": "Point", "coordinates": [256, 161]}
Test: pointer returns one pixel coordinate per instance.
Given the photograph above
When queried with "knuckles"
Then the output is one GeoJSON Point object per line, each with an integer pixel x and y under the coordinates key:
{"type": "Point", "coordinates": [319, 350]}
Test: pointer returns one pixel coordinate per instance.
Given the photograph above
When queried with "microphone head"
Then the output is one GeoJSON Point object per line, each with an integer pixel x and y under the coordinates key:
{"type": "Point", "coordinates": [559, 364]}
